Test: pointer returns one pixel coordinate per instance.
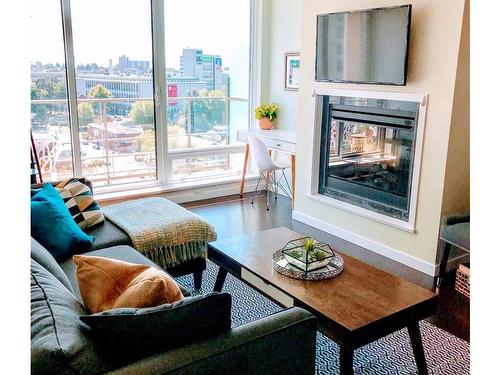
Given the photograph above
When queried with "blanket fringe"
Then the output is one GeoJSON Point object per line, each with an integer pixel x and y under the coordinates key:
{"type": "Point", "coordinates": [169, 256]}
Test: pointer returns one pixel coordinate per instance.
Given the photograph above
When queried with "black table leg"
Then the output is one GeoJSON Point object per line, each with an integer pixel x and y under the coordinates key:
{"type": "Point", "coordinates": [346, 361]}
{"type": "Point", "coordinates": [197, 278]}
{"type": "Point", "coordinates": [442, 265]}
{"type": "Point", "coordinates": [221, 277]}
{"type": "Point", "coordinates": [418, 348]}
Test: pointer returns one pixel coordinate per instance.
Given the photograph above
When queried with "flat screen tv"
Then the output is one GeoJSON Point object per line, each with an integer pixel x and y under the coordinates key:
{"type": "Point", "coordinates": [366, 46]}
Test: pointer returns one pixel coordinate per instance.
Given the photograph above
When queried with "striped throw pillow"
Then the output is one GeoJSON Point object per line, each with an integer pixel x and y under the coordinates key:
{"type": "Point", "coordinates": [81, 204]}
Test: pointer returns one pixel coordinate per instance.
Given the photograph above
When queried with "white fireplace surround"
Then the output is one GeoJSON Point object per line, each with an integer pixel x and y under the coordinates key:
{"type": "Point", "coordinates": [313, 179]}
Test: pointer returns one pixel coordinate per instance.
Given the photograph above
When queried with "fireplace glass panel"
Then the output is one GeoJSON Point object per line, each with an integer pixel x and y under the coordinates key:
{"type": "Point", "coordinates": [367, 155]}
{"type": "Point", "coordinates": [359, 138]}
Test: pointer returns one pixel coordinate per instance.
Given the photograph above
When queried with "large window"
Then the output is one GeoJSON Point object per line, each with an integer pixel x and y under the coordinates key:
{"type": "Point", "coordinates": [49, 95]}
{"type": "Point", "coordinates": [207, 58]}
{"type": "Point", "coordinates": [114, 88]}
{"type": "Point", "coordinates": [114, 112]}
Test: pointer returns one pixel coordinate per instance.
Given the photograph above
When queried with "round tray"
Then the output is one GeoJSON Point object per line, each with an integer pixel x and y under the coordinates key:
{"type": "Point", "coordinates": [334, 268]}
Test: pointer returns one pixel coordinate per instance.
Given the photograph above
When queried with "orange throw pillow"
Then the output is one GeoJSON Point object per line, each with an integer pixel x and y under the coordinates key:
{"type": "Point", "coordinates": [108, 283]}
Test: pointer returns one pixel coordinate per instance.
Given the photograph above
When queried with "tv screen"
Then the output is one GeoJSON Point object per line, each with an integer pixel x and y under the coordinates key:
{"type": "Point", "coordinates": [368, 46]}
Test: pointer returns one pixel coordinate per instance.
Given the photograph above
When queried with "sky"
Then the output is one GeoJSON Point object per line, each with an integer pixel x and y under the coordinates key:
{"type": "Point", "coordinates": [107, 29]}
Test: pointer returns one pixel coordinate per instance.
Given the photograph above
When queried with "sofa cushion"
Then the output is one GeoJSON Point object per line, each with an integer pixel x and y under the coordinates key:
{"type": "Point", "coordinates": [60, 341]}
{"type": "Point", "coordinates": [53, 226]}
{"type": "Point", "coordinates": [136, 333]}
{"type": "Point", "coordinates": [110, 283]}
{"type": "Point", "coordinates": [106, 235]}
{"type": "Point", "coordinates": [125, 253]}
{"type": "Point", "coordinates": [47, 261]}
{"type": "Point", "coordinates": [80, 202]}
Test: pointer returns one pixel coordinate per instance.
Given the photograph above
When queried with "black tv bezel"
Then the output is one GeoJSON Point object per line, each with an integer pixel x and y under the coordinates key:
{"type": "Point", "coordinates": [405, 78]}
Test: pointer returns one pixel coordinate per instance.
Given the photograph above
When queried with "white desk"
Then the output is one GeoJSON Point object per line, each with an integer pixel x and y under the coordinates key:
{"type": "Point", "coordinates": [274, 139]}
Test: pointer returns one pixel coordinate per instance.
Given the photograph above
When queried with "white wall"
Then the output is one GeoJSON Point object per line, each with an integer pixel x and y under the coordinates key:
{"type": "Point", "coordinates": [456, 196]}
{"type": "Point", "coordinates": [284, 36]}
{"type": "Point", "coordinates": [281, 34]}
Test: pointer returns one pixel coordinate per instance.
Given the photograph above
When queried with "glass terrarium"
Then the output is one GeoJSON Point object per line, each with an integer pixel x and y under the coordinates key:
{"type": "Point", "coordinates": [307, 254]}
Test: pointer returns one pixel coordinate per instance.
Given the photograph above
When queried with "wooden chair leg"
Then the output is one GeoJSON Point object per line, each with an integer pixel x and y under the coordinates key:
{"type": "Point", "coordinates": [292, 159]}
{"type": "Point", "coordinates": [244, 172]}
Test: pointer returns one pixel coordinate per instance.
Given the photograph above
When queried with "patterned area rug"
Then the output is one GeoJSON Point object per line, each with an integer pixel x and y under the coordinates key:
{"type": "Point", "coordinates": [445, 353]}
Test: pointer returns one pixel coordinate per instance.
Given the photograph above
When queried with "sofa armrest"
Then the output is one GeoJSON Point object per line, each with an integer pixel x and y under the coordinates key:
{"type": "Point", "coordinates": [283, 343]}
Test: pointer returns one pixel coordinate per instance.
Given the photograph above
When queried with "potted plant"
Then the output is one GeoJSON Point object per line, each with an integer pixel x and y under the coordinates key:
{"type": "Point", "coordinates": [266, 114]}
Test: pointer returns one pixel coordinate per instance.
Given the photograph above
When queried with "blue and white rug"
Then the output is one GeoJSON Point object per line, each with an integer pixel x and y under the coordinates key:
{"type": "Point", "coordinates": [445, 353]}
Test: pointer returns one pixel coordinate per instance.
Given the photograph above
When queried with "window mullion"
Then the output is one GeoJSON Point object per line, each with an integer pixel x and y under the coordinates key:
{"type": "Point", "coordinates": [255, 73]}
{"type": "Point", "coordinates": [160, 92]}
{"type": "Point", "coordinates": [71, 86]}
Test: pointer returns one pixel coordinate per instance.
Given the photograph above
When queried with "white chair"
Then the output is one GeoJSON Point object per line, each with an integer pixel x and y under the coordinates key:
{"type": "Point", "coordinates": [267, 166]}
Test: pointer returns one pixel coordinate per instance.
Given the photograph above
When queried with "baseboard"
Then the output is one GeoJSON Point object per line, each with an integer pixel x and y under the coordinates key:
{"type": "Point", "coordinates": [384, 250]}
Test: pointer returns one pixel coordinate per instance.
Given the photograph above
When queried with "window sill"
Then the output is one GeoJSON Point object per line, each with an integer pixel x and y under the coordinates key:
{"type": "Point", "coordinates": [110, 194]}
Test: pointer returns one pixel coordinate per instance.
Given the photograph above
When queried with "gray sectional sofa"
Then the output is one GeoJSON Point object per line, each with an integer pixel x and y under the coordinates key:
{"type": "Point", "coordinates": [198, 340]}
{"type": "Point", "coordinates": [108, 234]}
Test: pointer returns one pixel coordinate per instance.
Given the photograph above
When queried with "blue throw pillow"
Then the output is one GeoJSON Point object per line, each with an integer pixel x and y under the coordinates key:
{"type": "Point", "coordinates": [53, 226]}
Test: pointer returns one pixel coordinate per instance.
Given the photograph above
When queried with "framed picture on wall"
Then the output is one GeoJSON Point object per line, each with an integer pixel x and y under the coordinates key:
{"type": "Point", "coordinates": [292, 67]}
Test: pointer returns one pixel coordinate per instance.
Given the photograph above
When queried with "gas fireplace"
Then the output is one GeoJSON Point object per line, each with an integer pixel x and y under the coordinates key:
{"type": "Point", "coordinates": [367, 153]}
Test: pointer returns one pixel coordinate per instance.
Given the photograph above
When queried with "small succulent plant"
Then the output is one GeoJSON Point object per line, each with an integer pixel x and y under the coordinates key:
{"type": "Point", "coordinates": [309, 247]}
{"type": "Point", "coordinates": [307, 254]}
{"type": "Point", "coordinates": [309, 244]}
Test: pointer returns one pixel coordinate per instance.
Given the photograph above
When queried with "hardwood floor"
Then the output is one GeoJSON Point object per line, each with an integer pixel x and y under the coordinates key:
{"type": "Point", "coordinates": [232, 216]}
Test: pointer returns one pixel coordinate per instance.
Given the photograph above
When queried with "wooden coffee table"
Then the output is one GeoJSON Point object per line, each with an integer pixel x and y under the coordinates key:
{"type": "Point", "coordinates": [360, 306]}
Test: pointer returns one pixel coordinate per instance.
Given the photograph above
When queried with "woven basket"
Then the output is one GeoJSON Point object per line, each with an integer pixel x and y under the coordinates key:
{"type": "Point", "coordinates": [462, 281]}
